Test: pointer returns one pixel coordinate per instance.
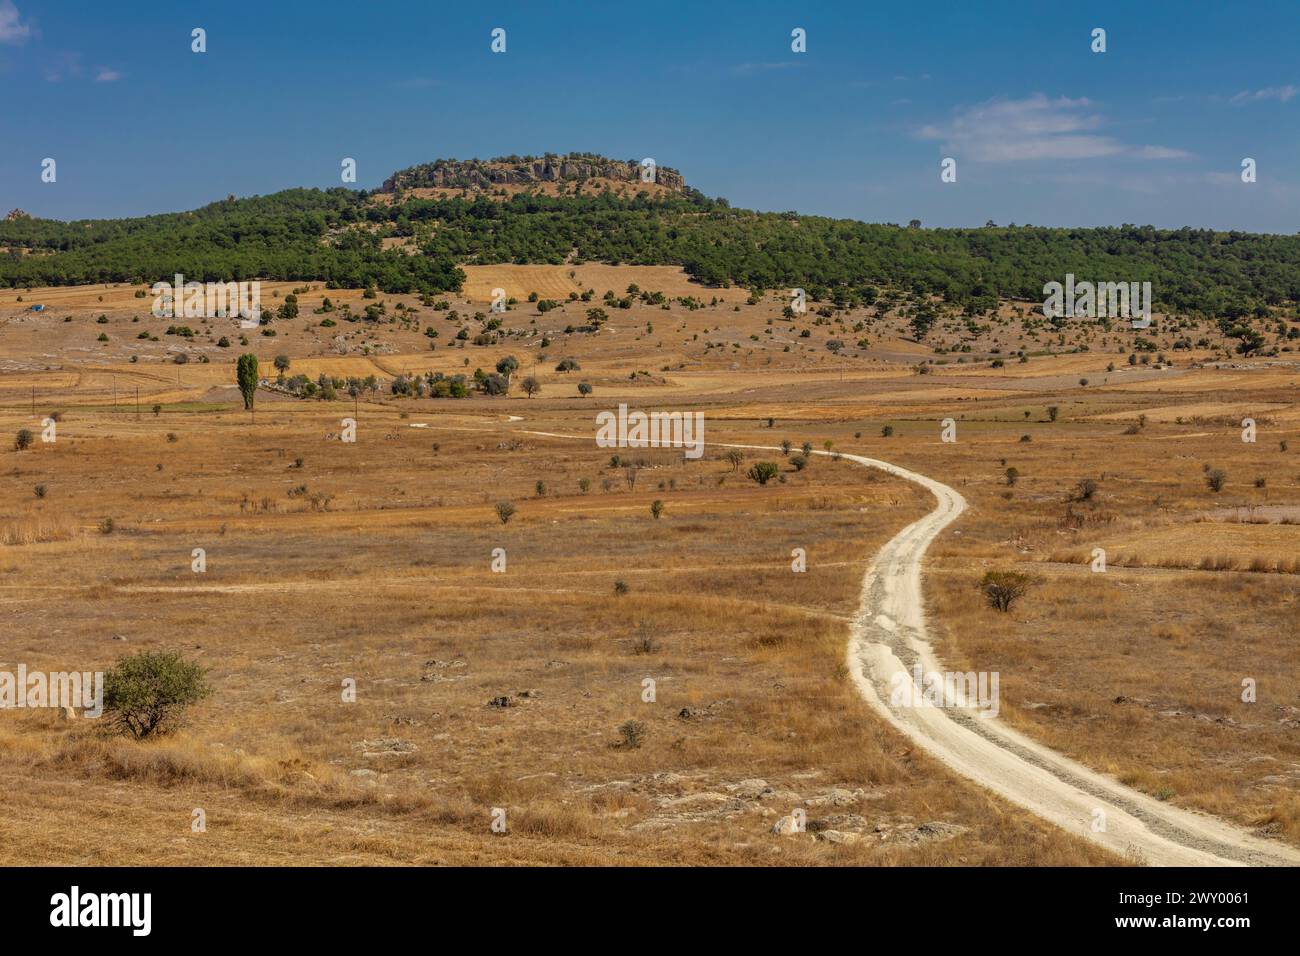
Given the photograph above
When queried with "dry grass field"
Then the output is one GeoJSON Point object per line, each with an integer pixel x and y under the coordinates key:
{"type": "Point", "coordinates": [524, 689]}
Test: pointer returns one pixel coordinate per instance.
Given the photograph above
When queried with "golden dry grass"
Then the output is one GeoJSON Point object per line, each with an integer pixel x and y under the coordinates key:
{"type": "Point", "coordinates": [379, 570]}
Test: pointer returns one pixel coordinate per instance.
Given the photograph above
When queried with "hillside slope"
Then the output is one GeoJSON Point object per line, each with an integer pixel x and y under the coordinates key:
{"type": "Point", "coordinates": [401, 241]}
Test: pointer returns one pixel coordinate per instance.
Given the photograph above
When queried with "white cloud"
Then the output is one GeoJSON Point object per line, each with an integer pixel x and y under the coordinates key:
{"type": "Point", "coordinates": [12, 28]}
{"type": "Point", "coordinates": [1036, 128]}
{"type": "Point", "coordinates": [1280, 93]}
{"type": "Point", "coordinates": [106, 75]}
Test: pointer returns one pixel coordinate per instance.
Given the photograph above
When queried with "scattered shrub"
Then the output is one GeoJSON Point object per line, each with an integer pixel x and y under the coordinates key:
{"type": "Point", "coordinates": [147, 692]}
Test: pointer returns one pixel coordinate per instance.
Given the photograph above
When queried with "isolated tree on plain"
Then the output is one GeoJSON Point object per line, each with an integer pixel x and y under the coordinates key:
{"type": "Point", "coordinates": [531, 386]}
{"type": "Point", "coordinates": [146, 692]}
{"type": "Point", "coordinates": [584, 389]}
{"type": "Point", "coordinates": [735, 458]}
{"type": "Point", "coordinates": [507, 366]}
{"type": "Point", "coordinates": [1003, 588]}
{"type": "Point", "coordinates": [494, 384]}
{"type": "Point", "coordinates": [656, 509]}
{"type": "Point", "coordinates": [1215, 479]}
{"type": "Point", "coordinates": [282, 363]}
{"type": "Point", "coordinates": [1052, 412]}
{"type": "Point", "coordinates": [1086, 490]}
{"type": "Point", "coordinates": [505, 511]}
{"type": "Point", "coordinates": [762, 472]}
{"type": "Point", "coordinates": [1012, 475]}
{"type": "Point", "coordinates": [246, 376]}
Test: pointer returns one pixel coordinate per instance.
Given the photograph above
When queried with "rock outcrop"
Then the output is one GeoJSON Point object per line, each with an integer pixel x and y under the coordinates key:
{"type": "Point", "coordinates": [524, 170]}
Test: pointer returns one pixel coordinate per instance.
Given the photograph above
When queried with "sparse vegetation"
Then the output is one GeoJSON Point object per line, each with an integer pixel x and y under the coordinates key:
{"type": "Point", "coordinates": [1002, 589]}
{"type": "Point", "coordinates": [146, 693]}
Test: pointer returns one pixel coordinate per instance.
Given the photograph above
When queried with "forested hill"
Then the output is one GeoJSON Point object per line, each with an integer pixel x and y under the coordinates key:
{"type": "Point", "coordinates": [336, 236]}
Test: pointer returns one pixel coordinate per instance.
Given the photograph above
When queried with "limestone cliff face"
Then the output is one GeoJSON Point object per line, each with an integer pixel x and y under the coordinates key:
{"type": "Point", "coordinates": [522, 170]}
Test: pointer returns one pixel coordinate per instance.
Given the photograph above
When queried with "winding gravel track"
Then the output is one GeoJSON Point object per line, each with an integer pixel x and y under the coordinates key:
{"type": "Point", "coordinates": [888, 637]}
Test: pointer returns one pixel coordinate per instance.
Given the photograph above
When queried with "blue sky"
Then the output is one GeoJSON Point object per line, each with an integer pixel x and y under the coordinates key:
{"type": "Point", "coordinates": [1044, 131]}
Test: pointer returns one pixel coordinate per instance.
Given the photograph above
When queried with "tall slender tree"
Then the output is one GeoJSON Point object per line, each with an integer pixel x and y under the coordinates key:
{"type": "Point", "coordinates": [246, 376]}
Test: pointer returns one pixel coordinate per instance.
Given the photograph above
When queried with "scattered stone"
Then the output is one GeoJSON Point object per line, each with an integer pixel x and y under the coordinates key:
{"type": "Point", "coordinates": [934, 831]}
{"type": "Point", "coordinates": [786, 826]}
{"type": "Point", "coordinates": [786, 797]}
{"type": "Point", "coordinates": [837, 797]}
{"type": "Point", "coordinates": [386, 747]}
{"type": "Point", "coordinates": [749, 789]}
{"type": "Point", "coordinates": [839, 821]}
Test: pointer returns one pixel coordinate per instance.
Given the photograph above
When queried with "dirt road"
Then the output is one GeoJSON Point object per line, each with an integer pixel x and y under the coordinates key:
{"type": "Point", "coordinates": [888, 638]}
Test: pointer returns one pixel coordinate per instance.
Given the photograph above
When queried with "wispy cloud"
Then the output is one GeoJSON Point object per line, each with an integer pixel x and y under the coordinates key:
{"type": "Point", "coordinates": [1037, 128]}
{"type": "Point", "coordinates": [106, 75]}
{"type": "Point", "coordinates": [1161, 152]}
{"type": "Point", "coordinates": [13, 29]}
{"type": "Point", "coordinates": [1280, 93]}
{"type": "Point", "coordinates": [59, 66]}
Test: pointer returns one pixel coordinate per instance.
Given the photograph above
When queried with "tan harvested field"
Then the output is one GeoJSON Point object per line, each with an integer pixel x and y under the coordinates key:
{"type": "Point", "coordinates": [372, 561]}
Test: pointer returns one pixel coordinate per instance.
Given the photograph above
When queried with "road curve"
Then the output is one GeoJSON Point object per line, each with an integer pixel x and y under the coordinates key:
{"type": "Point", "coordinates": [888, 637]}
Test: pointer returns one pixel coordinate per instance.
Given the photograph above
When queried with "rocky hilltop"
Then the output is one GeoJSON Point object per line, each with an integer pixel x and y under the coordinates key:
{"type": "Point", "coordinates": [526, 170]}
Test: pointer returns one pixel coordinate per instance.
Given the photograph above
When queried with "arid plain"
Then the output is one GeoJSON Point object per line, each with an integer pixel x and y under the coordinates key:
{"type": "Point", "coordinates": [523, 689]}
